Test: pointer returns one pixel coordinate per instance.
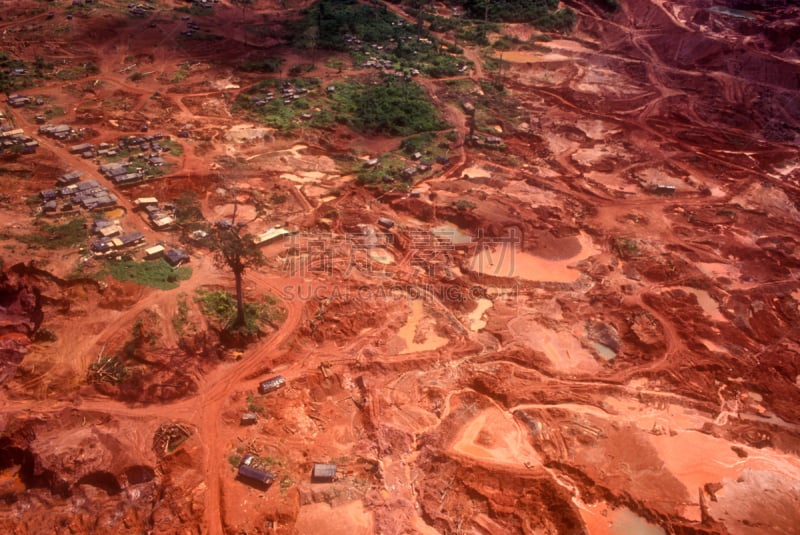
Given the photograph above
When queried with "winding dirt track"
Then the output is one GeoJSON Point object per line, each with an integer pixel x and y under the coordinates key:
{"type": "Point", "coordinates": [218, 386]}
{"type": "Point", "coordinates": [204, 409]}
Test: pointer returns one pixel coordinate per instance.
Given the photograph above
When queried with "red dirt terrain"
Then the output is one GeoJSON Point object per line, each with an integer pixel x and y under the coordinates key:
{"type": "Point", "coordinates": [590, 326]}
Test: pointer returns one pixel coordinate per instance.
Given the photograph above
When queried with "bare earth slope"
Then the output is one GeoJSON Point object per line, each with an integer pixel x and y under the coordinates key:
{"type": "Point", "coordinates": [585, 321]}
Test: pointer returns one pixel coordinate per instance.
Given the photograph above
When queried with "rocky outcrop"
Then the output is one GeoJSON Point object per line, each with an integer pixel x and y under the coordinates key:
{"type": "Point", "coordinates": [80, 472]}
{"type": "Point", "coordinates": [20, 317]}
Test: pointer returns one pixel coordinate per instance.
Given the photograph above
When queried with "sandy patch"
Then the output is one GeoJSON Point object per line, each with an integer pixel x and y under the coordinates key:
{"type": "Point", "coordinates": [493, 436]}
{"type": "Point", "coordinates": [696, 459]}
{"type": "Point", "coordinates": [244, 133]}
{"type": "Point", "coordinates": [506, 260]}
{"type": "Point", "coordinates": [417, 334]}
{"type": "Point", "coordinates": [476, 319]}
{"type": "Point", "coordinates": [348, 519]}
{"type": "Point", "coordinates": [562, 349]}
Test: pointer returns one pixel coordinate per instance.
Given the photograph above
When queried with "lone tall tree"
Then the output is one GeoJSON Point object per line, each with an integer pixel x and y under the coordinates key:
{"type": "Point", "coordinates": [235, 250]}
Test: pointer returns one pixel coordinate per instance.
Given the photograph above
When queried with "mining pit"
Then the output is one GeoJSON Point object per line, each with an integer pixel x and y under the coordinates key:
{"type": "Point", "coordinates": [585, 321]}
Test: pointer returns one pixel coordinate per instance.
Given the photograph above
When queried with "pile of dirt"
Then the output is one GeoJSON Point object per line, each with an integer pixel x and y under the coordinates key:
{"type": "Point", "coordinates": [20, 317]}
{"type": "Point", "coordinates": [79, 471]}
{"type": "Point", "coordinates": [140, 367]}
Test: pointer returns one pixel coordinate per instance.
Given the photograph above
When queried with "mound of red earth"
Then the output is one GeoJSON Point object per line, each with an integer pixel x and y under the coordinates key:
{"type": "Point", "coordinates": [20, 317]}
{"type": "Point", "coordinates": [641, 362]}
{"type": "Point", "coordinates": [94, 476]}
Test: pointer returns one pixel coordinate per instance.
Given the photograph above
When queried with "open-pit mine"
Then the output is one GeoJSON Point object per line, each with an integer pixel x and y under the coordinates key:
{"type": "Point", "coordinates": [393, 267]}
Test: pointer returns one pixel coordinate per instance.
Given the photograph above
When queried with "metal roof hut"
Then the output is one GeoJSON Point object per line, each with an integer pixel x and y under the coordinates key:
{"type": "Point", "coordinates": [156, 251]}
{"type": "Point", "coordinates": [271, 384]}
{"type": "Point", "coordinates": [176, 257]}
{"type": "Point", "coordinates": [323, 473]}
{"type": "Point", "coordinates": [248, 418]}
{"type": "Point", "coordinates": [255, 475]}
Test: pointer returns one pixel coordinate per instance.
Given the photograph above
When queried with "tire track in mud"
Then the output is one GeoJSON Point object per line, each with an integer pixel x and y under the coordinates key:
{"type": "Point", "coordinates": [217, 390]}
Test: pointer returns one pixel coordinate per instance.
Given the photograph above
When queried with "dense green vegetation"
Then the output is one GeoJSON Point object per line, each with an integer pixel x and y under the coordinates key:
{"type": "Point", "coordinates": [562, 21]}
{"type": "Point", "coordinates": [275, 112]}
{"type": "Point", "coordinates": [395, 107]}
{"type": "Point", "coordinates": [335, 19]}
{"type": "Point", "coordinates": [56, 236]}
{"type": "Point", "coordinates": [385, 105]}
{"type": "Point", "coordinates": [155, 274]}
{"type": "Point", "coordinates": [34, 71]}
{"type": "Point", "coordinates": [544, 14]}
{"type": "Point", "coordinates": [374, 33]}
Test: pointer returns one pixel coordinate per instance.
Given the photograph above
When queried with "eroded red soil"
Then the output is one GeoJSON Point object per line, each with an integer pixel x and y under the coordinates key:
{"type": "Point", "coordinates": [614, 344]}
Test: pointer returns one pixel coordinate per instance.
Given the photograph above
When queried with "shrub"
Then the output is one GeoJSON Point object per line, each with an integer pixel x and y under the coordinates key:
{"type": "Point", "coordinates": [278, 198]}
{"type": "Point", "coordinates": [474, 34]}
{"type": "Point", "coordinates": [505, 42]}
{"type": "Point", "coordinates": [221, 306]}
{"type": "Point", "coordinates": [418, 143]}
{"type": "Point", "coordinates": [187, 209]}
{"type": "Point", "coordinates": [443, 24]}
{"type": "Point", "coordinates": [45, 335]}
{"type": "Point", "coordinates": [626, 247]}
{"type": "Point", "coordinates": [263, 65]}
{"type": "Point", "coordinates": [301, 68]}
{"type": "Point", "coordinates": [181, 315]}
{"type": "Point", "coordinates": [155, 274]}
{"type": "Point", "coordinates": [50, 236]}
{"type": "Point", "coordinates": [253, 405]}
{"type": "Point", "coordinates": [108, 369]}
